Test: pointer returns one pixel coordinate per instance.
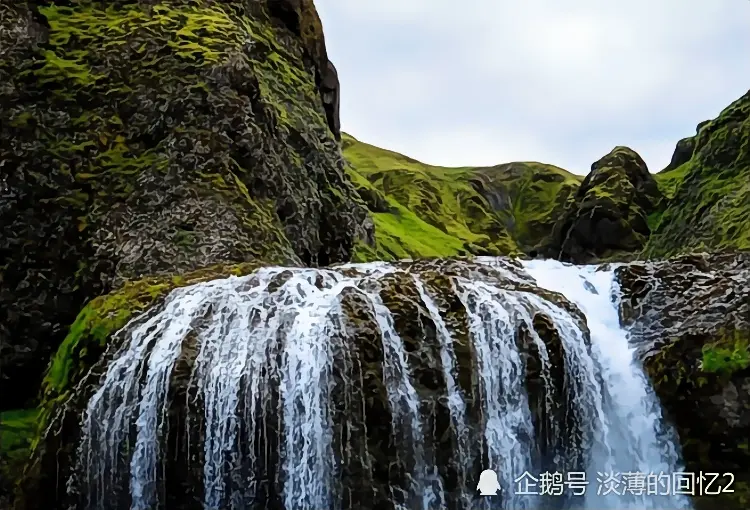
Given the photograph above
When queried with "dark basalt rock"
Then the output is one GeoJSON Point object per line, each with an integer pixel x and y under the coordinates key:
{"type": "Point", "coordinates": [371, 466]}
{"type": "Point", "coordinates": [684, 149]}
{"type": "Point", "coordinates": [301, 17]}
{"type": "Point", "coordinates": [682, 153]}
{"type": "Point", "coordinates": [609, 215]}
{"type": "Point", "coordinates": [129, 149]}
{"type": "Point", "coordinates": [690, 320]}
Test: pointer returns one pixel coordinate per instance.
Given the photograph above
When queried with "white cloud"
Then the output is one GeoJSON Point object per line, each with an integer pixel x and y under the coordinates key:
{"type": "Point", "coordinates": [488, 81]}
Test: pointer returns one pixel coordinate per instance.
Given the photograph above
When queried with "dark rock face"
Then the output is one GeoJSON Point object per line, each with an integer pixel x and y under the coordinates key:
{"type": "Point", "coordinates": [682, 153]}
{"type": "Point", "coordinates": [301, 17]}
{"type": "Point", "coordinates": [194, 133]}
{"type": "Point", "coordinates": [373, 465]}
{"type": "Point", "coordinates": [610, 211]}
{"type": "Point", "coordinates": [684, 149]}
{"type": "Point", "coordinates": [690, 318]}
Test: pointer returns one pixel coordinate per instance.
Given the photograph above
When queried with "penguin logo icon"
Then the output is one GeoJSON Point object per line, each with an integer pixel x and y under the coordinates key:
{"type": "Point", "coordinates": [488, 484]}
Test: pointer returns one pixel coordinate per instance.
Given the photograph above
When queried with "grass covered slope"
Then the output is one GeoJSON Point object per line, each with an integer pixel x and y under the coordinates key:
{"type": "Point", "coordinates": [710, 204]}
{"type": "Point", "coordinates": [421, 210]}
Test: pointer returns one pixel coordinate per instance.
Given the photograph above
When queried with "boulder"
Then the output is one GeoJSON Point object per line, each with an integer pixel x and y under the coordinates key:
{"type": "Point", "coordinates": [609, 216]}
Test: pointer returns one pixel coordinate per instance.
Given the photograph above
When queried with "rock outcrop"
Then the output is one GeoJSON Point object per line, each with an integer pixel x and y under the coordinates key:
{"type": "Point", "coordinates": [710, 209]}
{"type": "Point", "coordinates": [610, 212]}
{"type": "Point", "coordinates": [153, 138]}
{"type": "Point", "coordinates": [690, 318]}
{"type": "Point", "coordinates": [374, 462]}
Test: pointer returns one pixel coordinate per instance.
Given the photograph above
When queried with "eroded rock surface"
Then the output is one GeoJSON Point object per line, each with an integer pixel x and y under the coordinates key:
{"type": "Point", "coordinates": [153, 138]}
{"type": "Point", "coordinates": [690, 318]}
{"type": "Point", "coordinates": [610, 213]}
{"type": "Point", "coordinates": [375, 458]}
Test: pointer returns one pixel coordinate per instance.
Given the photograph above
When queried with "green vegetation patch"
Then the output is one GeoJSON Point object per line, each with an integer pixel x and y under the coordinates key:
{"type": "Point", "coordinates": [17, 430]}
{"type": "Point", "coordinates": [709, 207]}
{"type": "Point", "coordinates": [99, 320]}
{"type": "Point", "coordinates": [728, 355]}
{"type": "Point", "coordinates": [105, 315]}
{"type": "Point", "coordinates": [422, 210]}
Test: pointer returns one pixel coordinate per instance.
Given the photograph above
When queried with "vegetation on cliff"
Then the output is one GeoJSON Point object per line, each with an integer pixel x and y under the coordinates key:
{"type": "Point", "coordinates": [149, 145]}
{"type": "Point", "coordinates": [710, 208]}
{"type": "Point", "coordinates": [619, 211]}
{"type": "Point", "coordinates": [609, 214]}
{"type": "Point", "coordinates": [142, 141]}
{"type": "Point", "coordinates": [421, 210]}
{"type": "Point", "coordinates": [157, 138]}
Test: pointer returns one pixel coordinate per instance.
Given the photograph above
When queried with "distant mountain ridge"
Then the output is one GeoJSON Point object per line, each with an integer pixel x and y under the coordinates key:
{"type": "Point", "coordinates": [619, 211]}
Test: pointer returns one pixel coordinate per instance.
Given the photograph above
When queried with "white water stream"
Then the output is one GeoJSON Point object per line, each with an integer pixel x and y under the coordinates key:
{"type": "Point", "coordinates": [632, 439]}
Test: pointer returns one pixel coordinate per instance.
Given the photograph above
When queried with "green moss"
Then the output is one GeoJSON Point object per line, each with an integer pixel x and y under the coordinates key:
{"type": "Point", "coordinates": [709, 206]}
{"type": "Point", "coordinates": [728, 355]}
{"type": "Point", "coordinates": [17, 429]}
{"type": "Point", "coordinates": [106, 314]}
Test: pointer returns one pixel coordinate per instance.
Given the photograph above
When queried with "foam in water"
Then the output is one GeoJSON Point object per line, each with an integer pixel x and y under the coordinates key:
{"type": "Point", "coordinates": [264, 361]}
{"type": "Point", "coordinates": [633, 437]}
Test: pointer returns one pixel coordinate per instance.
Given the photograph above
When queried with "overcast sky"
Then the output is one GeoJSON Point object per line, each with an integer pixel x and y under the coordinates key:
{"type": "Point", "coordinates": [482, 82]}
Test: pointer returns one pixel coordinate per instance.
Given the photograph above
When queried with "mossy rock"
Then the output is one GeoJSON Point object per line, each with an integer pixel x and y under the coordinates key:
{"type": "Point", "coordinates": [82, 350]}
{"type": "Point", "coordinates": [689, 318]}
{"type": "Point", "coordinates": [609, 214]}
{"type": "Point", "coordinates": [156, 138]}
{"type": "Point", "coordinates": [371, 463]}
{"type": "Point", "coordinates": [709, 209]}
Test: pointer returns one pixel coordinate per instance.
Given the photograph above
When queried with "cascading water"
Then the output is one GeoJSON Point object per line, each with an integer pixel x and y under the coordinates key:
{"type": "Point", "coordinates": [277, 378]}
{"type": "Point", "coordinates": [635, 447]}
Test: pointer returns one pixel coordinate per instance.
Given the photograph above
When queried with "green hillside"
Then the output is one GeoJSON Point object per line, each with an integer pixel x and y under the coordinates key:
{"type": "Point", "coordinates": [701, 202]}
{"type": "Point", "coordinates": [421, 210]}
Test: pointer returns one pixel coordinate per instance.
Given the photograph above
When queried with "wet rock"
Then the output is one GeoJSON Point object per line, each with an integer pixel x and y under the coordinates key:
{"type": "Point", "coordinates": [158, 149]}
{"type": "Point", "coordinates": [374, 446]}
{"type": "Point", "coordinates": [690, 320]}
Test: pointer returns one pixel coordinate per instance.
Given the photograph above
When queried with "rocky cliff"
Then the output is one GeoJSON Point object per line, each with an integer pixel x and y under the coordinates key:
{"type": "Point", "coordinates": [151, 139]}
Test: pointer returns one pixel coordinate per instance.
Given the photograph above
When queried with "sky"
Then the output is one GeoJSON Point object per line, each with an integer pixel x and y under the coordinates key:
{"type": "Point", "coordinates": [484, 82]}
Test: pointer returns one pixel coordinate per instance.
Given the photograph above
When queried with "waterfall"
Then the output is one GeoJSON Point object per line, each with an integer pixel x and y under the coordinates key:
{"type": "Point", "coordinates": [376, 384]}
{"type": "Point", "coordinates": [633, 438]}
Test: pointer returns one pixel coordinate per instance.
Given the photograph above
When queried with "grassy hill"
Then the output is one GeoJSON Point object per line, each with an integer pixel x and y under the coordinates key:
{"type": "Point", "coordinates": [702, 202]}
{"type": "Point", "coordinates": [421, 210]}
